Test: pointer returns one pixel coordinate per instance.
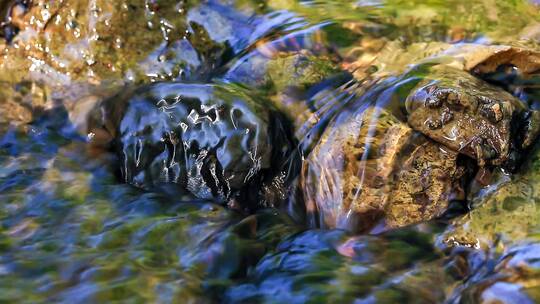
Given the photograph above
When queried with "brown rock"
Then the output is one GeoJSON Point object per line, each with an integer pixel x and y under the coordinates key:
{"type": "Point", "coordinates": [425, 181]}
{"type": "Point", "coordinates": [369, 166]}
{"type": "Point", "coordinates": [471, 116]}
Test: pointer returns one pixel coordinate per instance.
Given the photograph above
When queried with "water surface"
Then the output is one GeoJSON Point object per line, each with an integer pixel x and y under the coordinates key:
{"type": "Point", "coordinates": [71, 230]}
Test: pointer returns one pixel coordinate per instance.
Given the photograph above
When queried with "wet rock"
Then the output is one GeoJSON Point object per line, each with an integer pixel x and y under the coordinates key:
{"type": "Point", "coordinates": [370, 168]}
{"type": "Point", "coordinates": [279, 69]}
{"type": "Point", "coordinates": [438, 98]}
{"type": "Point", "coordinates": [505, 211]}
{"type": "Point", "coordinates": [23, 102]}
{"type": "Point", "coordinates": [331, 264]}
{"type": "Point", "coordinates": [430, 178]}
{"type": "Point", "coordinates": [12, 12]}
{"type": "Point", "coordinates": [61, 42]}
{"type": "Point", "coordinates": [94, 40]}
{"type": "Point", "coordinates": [503, 229]}
{"type": "Point", "coordinates": [514, 278]}
{"type": "Point", "coordinates": [527, 61]}
{"type": "Point", "coordinates": [516, 70]}
{"type": "Point", "coordinates": [216, 142]}
{"type": "Point", "coordinates": [469, 116]}
{"type": "Point", "coordinates": [139, 245]}
{"type": "Point", "coordinates": [291, 70]}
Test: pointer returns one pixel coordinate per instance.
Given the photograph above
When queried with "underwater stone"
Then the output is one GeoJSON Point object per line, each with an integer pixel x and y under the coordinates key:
{"type": "Point", "coordinates": [370, 169]}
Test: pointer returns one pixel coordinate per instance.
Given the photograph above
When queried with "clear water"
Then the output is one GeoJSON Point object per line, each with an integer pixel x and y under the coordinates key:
{"type": "Point", "coordinates": [71, 231]}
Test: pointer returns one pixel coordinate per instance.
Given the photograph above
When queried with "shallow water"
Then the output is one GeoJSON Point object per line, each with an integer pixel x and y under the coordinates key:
{"type": "Point", "coordinates": [72, 229]}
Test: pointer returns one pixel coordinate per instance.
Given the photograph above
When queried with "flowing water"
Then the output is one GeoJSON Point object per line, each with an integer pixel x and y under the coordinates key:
{"type": "Point", "coordinates": [237, 151]}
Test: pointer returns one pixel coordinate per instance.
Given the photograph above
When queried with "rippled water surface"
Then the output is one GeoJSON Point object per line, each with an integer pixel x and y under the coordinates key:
{"type": "Point", "coordinates": [269, 151]}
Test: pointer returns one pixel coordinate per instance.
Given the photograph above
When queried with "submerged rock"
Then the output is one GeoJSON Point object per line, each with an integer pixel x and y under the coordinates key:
{"type": "Point", "coordinates": [370, 168]}
{"type": "Point", "coordinates": [505, 211]}
{"type": "Point", "coordinates": [23, 102]}
{"type": "Point", "coordinates": [398, 151]}
{"type": "Point", "coordinates": [512, 278]}
{"type": "Point", "coordinates": [289, 69]}
{"type": "Point", "coordinates": [276, 66]}
{"type": "Point", "coordinates": [217, 142]}
{"type": "Point", "coordinates": [11, 12]}
{"type": "Point", "coordinates": [320, 265]}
